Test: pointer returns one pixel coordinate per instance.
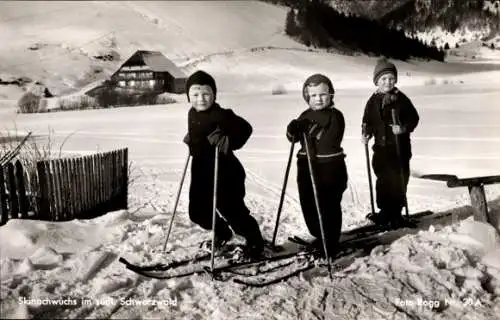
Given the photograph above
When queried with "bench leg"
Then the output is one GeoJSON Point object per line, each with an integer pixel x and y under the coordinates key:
{"type": "Point", "coordinates": [480, 207]}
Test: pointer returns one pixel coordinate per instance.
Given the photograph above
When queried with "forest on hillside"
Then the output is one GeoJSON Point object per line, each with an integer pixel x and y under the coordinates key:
{"type": "Point", "coordinates": [317, 24]}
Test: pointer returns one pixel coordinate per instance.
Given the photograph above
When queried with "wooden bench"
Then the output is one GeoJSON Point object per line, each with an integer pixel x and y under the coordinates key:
{"type": "Point", "coordinates": [476, 191]}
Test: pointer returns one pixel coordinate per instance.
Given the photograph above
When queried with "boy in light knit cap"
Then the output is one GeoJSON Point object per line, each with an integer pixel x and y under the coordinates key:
{"type": "Point", "coordinates": [324, 127]}
{"type": "Point", "coordinates": [392, 170]}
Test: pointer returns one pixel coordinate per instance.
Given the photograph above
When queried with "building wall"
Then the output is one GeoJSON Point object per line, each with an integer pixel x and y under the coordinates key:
{"type": "Point", "coordinates": [148, 80]}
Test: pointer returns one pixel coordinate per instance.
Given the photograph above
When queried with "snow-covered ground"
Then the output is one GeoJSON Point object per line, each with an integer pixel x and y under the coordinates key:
{"type": "Point", "coordinates": [450, 272]}
{"type": "Point", "coordinates": [458, 134]}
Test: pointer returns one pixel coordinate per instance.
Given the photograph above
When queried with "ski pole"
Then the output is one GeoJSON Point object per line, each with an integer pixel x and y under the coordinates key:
{"type": "Point", "coordinates": [214, 210]}
{"type": "Point", "coordinates": [176, 201]}
{"type": "Point", "coordinates": [280, 206]}
{"type": "Point", "coordinates": [398, 150]}
{"type": "Point", "coordinates": [367, 154]}
{"type": "Point", "coordinates": [316, 200]}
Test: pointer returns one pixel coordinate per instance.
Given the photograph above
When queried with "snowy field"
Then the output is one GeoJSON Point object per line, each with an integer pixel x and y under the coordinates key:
{"type": "Point", "coordinates": [458, 134]}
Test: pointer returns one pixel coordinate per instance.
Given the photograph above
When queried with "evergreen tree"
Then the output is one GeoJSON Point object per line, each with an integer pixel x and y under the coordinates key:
{"type": "Point", "coordinates": [291, 28]}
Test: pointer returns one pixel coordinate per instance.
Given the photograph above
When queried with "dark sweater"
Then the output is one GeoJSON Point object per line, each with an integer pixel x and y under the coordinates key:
{"type": "Point", "coordinates": [326, 138]}
{"type": "Point", "coordinates": [377, 118]}
{"type": "Point", "coordinates": [203, 123]}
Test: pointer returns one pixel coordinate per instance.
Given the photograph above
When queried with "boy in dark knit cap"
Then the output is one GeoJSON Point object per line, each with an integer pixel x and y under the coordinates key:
{"type": "Point", "coordinates": [209, 126]}
{"type": "Point", "coordinates": [378, 123]}
{"type": "Point", "coordinates": [324, 127]}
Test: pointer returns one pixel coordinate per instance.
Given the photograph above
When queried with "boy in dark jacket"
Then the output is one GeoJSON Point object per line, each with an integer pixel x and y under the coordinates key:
{"type": "Point", "coordinates": [389, 168]}
{"type": "Point", "coordinates": [324, 127]}
{"type": "Point", "coordinates": [209, 126]}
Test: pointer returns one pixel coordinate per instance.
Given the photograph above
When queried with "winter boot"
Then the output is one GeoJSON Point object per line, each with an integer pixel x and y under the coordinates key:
{"type": "Point", "coordinates": [380, 219]}
{"type": "Point", "coordinates": [220, 241]}
{"type": "Point", "coordinates": [254, 249]}
{"type": "Point", "coordinates": [398, 221]}
{"type": "Point", "coordinates": [317, 250]}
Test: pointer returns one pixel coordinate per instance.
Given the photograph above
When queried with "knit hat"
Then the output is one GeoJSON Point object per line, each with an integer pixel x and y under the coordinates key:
{"type": "Point", "coordinates": [200, 77]}
{"type": "Point", "coordinates": [316, 79]}
{"type": "Point", "coordinates": [383, 66]}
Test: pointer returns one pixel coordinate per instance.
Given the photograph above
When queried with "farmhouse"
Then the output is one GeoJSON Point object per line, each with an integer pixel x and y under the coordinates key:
{"type": "Point", "coordinates": [150, 70]}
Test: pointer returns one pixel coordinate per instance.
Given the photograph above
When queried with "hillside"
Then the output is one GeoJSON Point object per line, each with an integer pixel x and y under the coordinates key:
{"type": "Point", "coordinates": [452, 21]}
{"type": "Point", "coordinates": [447, 269]}
{"type": "Point", "coordinates": [69, 45]}
{"type": "Point", "coordinates": [59, 43]}
{"type": "Point", "coordinates": [445, 21]}
{"type": "Point", "coordinates": [371, 9]}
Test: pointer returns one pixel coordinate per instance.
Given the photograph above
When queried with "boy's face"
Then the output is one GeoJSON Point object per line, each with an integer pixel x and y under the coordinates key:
{"type": "Point", "coordinates": [386, 82]}
{"type": "Point", "coordinates": [319, 96]}
{"type": "Point", "coordinates": [201, 97]}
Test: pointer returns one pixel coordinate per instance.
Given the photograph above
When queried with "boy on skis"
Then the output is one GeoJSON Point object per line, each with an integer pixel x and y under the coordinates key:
{"type": "Point", "coordinates": [323, 126]}
{"type": "Point", "coordinates": [391, 169]}
{"type": "Point", "coordinates": [211, 126]}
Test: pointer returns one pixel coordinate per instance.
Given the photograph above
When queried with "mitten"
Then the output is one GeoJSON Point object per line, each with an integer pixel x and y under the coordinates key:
{"type": "Point", "coordinates": [296, 128]}
{"type": "Point", "coordinates": [291, 131]}
{"type": "Point", "coordinates": [365, 132]}
{"type": "Point", "coordinates": [303, 125]}
{"type": "Point", "coordinates": [218, 139]}
{"type": "Point", "coordinates": [398, 129]}
{"type": "Point", "coordinates": [187, 139]}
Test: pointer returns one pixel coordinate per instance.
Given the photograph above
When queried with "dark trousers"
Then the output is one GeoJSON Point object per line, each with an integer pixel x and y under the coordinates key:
{"type": "Point", "coordinates": [390, 189]}
{"type": "Point", "coordinates": [331, 182]}
{"type": "Point", "coordinates": [230, 199]}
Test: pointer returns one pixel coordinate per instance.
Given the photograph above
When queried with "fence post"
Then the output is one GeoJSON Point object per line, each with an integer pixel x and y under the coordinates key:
{"type": "Point", "coordinates": [113, 179]}
{"type": "Point", "coordinates": [43, 183]}
{"type": "Point", "coordinates": [108, 180]}
{"type": "Point", "coordinates": [21, 188]}
{"type": "Point", "coordinates": [4, 214]}
{"type": "Point", "coordinates": [68, 183]}
{"type": "Point", "coordinates": [88, 185]}
{"type": "Point", "coordinates": [11, 185]}
{"type": "Point", "coordinates": [119, 178]}
{"type": "Point", "coordinates": [125, 179]}
{"type": "Point", "coordinates": [118, 183]}
{"type": "Point", "coordinates": [97, 182]}
{"type": "Point", "coordinates": [95, 185]}
{"type": "Point", "coordinates": [100, 166]}
{"type": "Point", "coordinates": [57, 190]}
{"type": "Point", "coordinates": [76, 186]}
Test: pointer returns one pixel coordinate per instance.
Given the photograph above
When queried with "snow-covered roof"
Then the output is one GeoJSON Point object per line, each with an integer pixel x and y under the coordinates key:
{"type": "Point", "coordinates": [157, 62]}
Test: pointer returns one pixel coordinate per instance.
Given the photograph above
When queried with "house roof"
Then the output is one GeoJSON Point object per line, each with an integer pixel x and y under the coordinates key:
{"type": "Point", "coordinates": [157, 62]}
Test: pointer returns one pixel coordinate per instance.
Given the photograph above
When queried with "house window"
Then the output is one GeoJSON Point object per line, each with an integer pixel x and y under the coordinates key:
{"type": "Point", "coordinates": [152, 83]}
{"type": "Point", "coordinates": [131, 83]}
{"type": "Point", "coordinates": [122, 83]}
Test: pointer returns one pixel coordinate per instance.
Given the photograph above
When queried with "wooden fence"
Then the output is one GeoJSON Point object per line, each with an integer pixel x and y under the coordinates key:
{"type": "Point", "coordinates": [70, 188]}
{"type": "Point", "coordinates": [14, 202]}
